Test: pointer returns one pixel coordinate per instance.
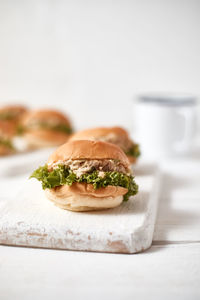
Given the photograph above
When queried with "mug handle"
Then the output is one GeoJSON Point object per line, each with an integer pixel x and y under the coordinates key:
{"type": "Point", "coordinates": [189, 129]}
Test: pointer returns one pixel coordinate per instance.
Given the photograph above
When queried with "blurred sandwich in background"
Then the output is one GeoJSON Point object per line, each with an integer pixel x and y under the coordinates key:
{"type": "Point", "coordinates": [45, 128]}
{"type": "Point", "coordinates": [114, 135]}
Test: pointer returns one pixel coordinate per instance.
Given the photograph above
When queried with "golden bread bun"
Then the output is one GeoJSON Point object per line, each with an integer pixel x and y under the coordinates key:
{"type": "Point", "coordinates": [45, 115]}
{"type": "Point", "coordinates": [44, 138]}
{"type": "Point", "coordinates": [71, 200]}
{"type": "Point", "coordinates": [88, 190]}
{"type": "Point", "coordinates": [99, 132]}
{"type": "Point", "coordinates": [16, 109]}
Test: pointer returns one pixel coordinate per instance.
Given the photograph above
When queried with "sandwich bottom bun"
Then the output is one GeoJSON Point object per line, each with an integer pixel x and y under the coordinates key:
{"type": "Point", "coordinates": [132, 159]}
{"type": "Point", "coordinates": [44, 138]}
{"type": "Point", "coordinates": [83, 197]}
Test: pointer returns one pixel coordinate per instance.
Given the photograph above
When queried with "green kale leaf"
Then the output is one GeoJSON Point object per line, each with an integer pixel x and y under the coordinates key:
{"type": "Point", "coordinates": [62, 175]}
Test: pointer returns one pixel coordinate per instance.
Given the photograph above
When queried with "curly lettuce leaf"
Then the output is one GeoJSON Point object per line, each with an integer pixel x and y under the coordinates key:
{"type": "Point", "coordinates": [59, 127]}
{"type": "Point", "coordinates": [134, 151]}
{"type": "Point", "coordinates": [62, 175]}
{"type": "Point", "coordinates": [63, 128]}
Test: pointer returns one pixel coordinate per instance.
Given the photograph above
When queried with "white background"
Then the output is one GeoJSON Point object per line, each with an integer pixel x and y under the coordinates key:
{"type": "Point", "coordinates": [90, 57]}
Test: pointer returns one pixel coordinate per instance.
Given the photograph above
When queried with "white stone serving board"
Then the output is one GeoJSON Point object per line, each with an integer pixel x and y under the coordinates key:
{"type": "Point", "coordinates": [31, 220]}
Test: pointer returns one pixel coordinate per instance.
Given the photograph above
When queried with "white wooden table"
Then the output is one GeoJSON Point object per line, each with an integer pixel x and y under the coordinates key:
{"type": "Point", "coordinates": [170, 269]}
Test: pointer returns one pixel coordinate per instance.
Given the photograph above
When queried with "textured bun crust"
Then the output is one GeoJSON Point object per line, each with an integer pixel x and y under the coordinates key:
{"type": "Point", "coordinates": [45, 115]}
{"type": "Point", "coordinates": [13, 108]}
{"type": "Point", "coordinates": [99, 132]}
{"type": "Point", "coordinates": [85, 149]}
{"type": "Point", "coordinates": [83, 197]}
{"type": "Point", "coordinates": [44, 138]}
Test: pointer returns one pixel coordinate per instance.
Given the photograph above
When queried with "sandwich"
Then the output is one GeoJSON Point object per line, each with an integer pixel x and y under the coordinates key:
{"type": "Point", "coordinates": [7, 131]}
{"type": "Point", "coordinates": [114, 135]}
{"type": "Point", "coordinates": [84, 175]}
{"type": "Point", "coordinates": [45, 128]}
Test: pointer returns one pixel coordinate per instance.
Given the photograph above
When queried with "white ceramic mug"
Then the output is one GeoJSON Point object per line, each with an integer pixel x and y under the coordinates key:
{"type": "Point", "coordinates": [164, 124]}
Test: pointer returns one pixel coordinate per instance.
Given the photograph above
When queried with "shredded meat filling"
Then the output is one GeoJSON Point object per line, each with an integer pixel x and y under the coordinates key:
{"type": "Point", "coordinates": [80, 167]}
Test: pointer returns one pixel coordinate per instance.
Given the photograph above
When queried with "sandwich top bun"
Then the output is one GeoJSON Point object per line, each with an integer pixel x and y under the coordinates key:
{"type": "Point", "coordinates": [45, 115]}
{"type": "Point", "coordinates": [12, 112]}
{"type": "Point", "coordinates": [98, 132]}
{"type": "Point", "coordinates": [87, 149]}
